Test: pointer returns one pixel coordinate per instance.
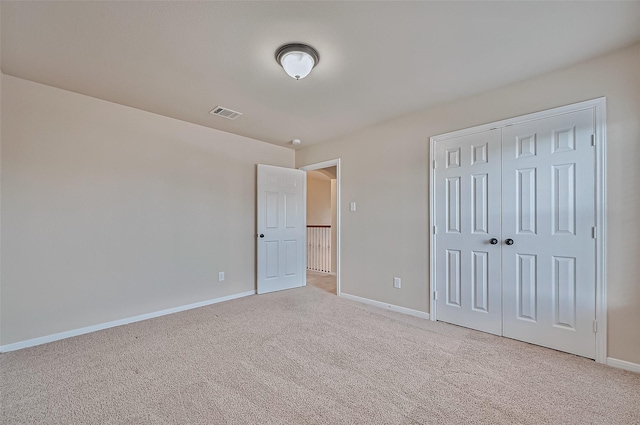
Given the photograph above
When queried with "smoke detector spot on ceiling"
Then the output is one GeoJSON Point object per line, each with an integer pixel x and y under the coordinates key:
{"type": "Point", "coordinates": [225, 113]}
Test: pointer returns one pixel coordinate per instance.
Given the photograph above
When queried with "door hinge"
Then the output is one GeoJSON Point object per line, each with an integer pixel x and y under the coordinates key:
{"type": "Point", "coordinates": [594, 232]}
{"type": "Point", "coordinates": [435, 230]}
{"type": "Point", "coordinates": [435, 295]}
{"type": "Point", "coordinates": [593, 140]}
{"type": "Point", "coordinates": [595, 326]}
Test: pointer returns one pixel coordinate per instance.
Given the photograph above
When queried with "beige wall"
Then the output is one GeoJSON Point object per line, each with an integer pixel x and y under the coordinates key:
{"type": "Point", "coordinates": [388, 234]}
{"type": "Point", "coordinates": [110, 212]}
{"type": "Point", "coordinates": [318, 199]}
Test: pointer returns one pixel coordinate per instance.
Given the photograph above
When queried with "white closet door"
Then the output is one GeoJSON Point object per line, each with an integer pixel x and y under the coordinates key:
{"type": "Point", "coordinates": [548, 204]}
{"type": "Point", "coordinates": [468, 268]}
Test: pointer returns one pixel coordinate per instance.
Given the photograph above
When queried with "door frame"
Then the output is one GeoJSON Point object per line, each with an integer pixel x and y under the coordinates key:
{"type": "Point", "coordinates": [318, 166]}
{"type": "Point", "coordinates": [598, 106]}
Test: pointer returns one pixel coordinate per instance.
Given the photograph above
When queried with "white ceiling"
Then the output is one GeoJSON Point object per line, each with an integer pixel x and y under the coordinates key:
{"type": "Point", "coordinates": [377, 60]}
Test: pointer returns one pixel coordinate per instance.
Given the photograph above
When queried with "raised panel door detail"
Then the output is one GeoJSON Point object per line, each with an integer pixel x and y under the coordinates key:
{"type": "Point", "coordinates": [549, 208]}
{"type": "Point", "coordinates": [467, 210]}
{"type": "Point", "coordinates": [453, 204]}
{"type": "Point", "coordinates": [271, 179]}
{"type": "Point", "coordinates": [280, 227]}
{"type": "Point", "coordinates": [480, 203]}
{"type": "Point", "coordinates": [564, 290]}
{"type": "Point", "coordinates": [290, 257]}
{"type": "Point", "coordinates": [289, 181]}
{"type": "Point", "coordinates": [453, 277]}
{"type": "Point", "coordinates": [272, 258]}
{"type": "Point", "coordinates": [526, 286]}
{"type": "Point", "coordinates": [290, 210]}
{"type": "Point", "coordinates": [271, 210]}
{"type": "Point", "coordinates": [564, 140]}
{"type": "Point", "coordinates": [526, 201]}
{"type": "Point", "coordinates": [479, 154]}
{"type": "Point", "coordinates": [453, 158]}
{"type": "Point", "coordinates": [564, 199]}
{"type": "Point", "coordinates": [526, 146]}
{"type": "Point", "coordinates": [480, 280]}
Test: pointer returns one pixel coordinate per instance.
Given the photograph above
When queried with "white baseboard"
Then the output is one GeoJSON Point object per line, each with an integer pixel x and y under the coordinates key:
{"type": "Point", "coordinates": [75, 332]}
{"type": "Point", "coordinates": [386, 306]}
{"type": "Point", "coordinates": [621, 364]}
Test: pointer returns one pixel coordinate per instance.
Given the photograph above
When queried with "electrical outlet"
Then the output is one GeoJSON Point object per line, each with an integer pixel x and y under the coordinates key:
{"type": "Point", "coordinates": [396, 282]}
{"type": "Point", "coordinates": [220, 276]}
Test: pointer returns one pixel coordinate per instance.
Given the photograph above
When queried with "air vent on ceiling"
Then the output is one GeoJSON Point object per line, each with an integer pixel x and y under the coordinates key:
{"type": "Point", "coordinates": [225, 113]}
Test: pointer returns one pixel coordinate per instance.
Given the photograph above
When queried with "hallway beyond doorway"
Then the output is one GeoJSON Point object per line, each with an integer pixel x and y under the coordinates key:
{"type": "Point", "coordinates": [324, 281]}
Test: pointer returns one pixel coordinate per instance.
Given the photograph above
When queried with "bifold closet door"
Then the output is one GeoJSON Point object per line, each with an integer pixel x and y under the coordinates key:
{"type": "Point", "coordinates": [468, 270]}
{"type": "Point", "coordinates": [548, 212]}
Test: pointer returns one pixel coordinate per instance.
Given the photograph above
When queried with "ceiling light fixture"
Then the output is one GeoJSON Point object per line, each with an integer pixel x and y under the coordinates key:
{"type": "Point", "coordinates": [297, 59]}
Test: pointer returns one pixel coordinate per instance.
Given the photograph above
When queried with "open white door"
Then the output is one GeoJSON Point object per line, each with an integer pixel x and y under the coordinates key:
{"type": "Point", "coordinates": [281, 228]}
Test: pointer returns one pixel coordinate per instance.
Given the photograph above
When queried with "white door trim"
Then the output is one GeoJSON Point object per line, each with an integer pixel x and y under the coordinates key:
{"type": "Point", "coordinates": [318, 166]}
{"type": "Point", "coordinates": [599, 109]}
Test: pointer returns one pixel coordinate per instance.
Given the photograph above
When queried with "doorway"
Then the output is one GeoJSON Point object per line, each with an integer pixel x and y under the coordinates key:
{"type": "Point", "coordinates": [323, 225]}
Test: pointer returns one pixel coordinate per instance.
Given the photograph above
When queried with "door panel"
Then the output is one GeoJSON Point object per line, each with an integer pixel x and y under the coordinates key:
{"type": "Point", "coordinates": [480, 203]}
{"type": "Point", "coordinates": [526, 191]}
{"type": "Point", "coordinates": [453, 277]}
{"type": "Point", "coordinates": [272, 259]}
{"type": "Point", "coordinates": [548, 209]}
{"type": "Point", "coordinates": [480, 281]}
{"type": "Point", "coordinates": [468, 267]}
{"type": "Point", "coordinates": [526, 281]}
{"type": "Point", "coordinates": [281, 219]}
{"type": "Point", "coordinates": [453, 205]}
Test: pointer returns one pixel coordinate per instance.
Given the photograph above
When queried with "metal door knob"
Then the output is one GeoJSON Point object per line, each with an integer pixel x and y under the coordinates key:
{"type": "Point", "coordinates": [509, 241]}
{"type": "Point", "coordinates": [493, 241]}
{"type": "Point", "coordinates": [262, 235]}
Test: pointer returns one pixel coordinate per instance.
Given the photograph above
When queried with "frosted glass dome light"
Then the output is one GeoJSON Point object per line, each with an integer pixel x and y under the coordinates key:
{"type": "Point", "coordinates": [297, 64]}
{"type": "Point", "coordinates": [297, 59]}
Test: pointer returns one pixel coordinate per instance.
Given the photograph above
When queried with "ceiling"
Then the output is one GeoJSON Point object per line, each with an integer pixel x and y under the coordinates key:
{"type": "Point", "coordinates": [378, 60]}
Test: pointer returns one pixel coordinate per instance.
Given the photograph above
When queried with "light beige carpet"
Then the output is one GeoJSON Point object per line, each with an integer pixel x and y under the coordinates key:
{"type": "Point", "coordinates": [305, 356]}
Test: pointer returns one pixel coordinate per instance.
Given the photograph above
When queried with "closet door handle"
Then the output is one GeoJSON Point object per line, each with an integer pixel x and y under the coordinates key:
{"type": "Point", "coordinates": [493, 241]}
{"type": "Point", "coordinates": [509, 241]}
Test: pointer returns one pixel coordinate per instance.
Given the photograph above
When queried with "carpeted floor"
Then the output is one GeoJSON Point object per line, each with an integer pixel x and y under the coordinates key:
{"type": "Point", "coordinates": [305, 356]}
